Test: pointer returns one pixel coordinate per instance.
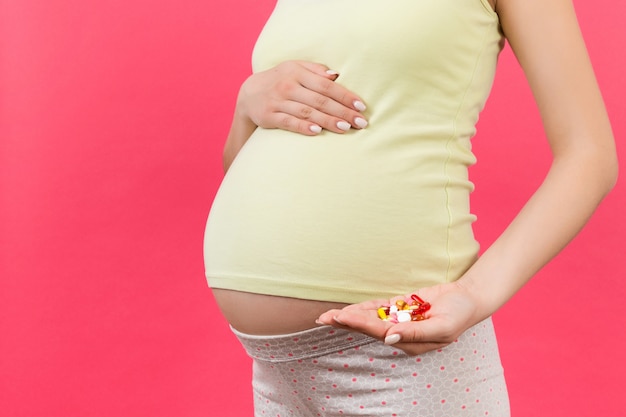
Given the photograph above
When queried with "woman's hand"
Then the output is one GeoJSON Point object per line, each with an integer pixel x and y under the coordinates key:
{"type": "Point", "coordinates": [301, 97]}
{"type": "Point", "coordinates": [454, 310]}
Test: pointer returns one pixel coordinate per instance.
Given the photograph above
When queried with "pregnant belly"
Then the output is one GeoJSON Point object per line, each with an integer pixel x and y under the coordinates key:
{"type": "Point", "coordinates": [333, 220]}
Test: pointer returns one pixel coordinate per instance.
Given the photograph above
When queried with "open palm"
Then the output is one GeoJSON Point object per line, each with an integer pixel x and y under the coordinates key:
{"type": "Point", "coordinates": [453, 311]}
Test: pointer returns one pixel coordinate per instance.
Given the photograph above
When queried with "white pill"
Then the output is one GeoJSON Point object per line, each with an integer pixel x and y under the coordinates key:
{"type": "Point", "coordinates": [404, 316]}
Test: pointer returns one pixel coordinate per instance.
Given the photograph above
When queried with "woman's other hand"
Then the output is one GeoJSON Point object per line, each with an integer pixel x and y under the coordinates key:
{"type": "Point", "coordinates": [454, 310]}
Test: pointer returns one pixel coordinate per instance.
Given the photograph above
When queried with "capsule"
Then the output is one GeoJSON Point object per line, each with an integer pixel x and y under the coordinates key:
{"type": "Point", "coordinates": [423, 308]}
{"type": "Point", "coordinates": [417, 317]}
{"type": "Point", "coordinates": [416, 298]}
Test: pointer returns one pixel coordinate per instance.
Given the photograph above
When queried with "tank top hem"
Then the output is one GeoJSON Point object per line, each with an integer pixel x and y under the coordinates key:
{"type": "Point", "coordinates": [286, 288]}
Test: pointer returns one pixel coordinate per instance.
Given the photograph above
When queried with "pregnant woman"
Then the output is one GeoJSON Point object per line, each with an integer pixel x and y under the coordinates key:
{"type": "Point", "coordinates": [347, 190]}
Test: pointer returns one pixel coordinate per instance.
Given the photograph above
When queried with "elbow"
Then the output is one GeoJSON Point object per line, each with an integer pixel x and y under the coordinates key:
{"type": "Point", "coordinates": [607, 170]}
{"type": "Point", "coordinates": [612, 174]}
{"type": "Point", "coordinates": [595, 165]}
{"type": "Point", "coordinates": [604, 153]}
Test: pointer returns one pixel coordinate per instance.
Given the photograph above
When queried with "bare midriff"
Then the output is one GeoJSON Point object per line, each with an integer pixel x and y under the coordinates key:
{"type": "Point", "coordinates": [259, 314]}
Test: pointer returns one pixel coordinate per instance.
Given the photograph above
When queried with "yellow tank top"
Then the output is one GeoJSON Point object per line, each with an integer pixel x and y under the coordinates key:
{"type": "Point", "coordinates": [375, 212]}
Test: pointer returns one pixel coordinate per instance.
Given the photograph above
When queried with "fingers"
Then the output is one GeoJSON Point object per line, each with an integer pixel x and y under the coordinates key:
{"type": "Point", "coordinates": [332, 99]}
{"type": "Point", "coordinates": [419, 337]}
{"type": "Point", "coordinates": [292, 123]}
{"type": "Point", "coordinates": [301, 97]}
{"type": "Point", "coordinates": [333, 116]}
{"type": "Point", "coordinates": [370, 306]}
{"type": "Point", "coordinates": [412, 332]}
{"type": "Point", "coordinates": [360, 320]}
{"type": "Point", "coordinates": [328, 318]}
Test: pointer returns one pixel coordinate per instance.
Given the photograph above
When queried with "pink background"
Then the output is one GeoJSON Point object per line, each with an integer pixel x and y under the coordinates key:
{"type": "Point", "coordinates": [112, 118]}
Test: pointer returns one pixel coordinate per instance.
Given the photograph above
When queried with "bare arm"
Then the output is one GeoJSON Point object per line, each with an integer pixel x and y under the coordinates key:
{"type": "Point", "coordinates": [547, 42]}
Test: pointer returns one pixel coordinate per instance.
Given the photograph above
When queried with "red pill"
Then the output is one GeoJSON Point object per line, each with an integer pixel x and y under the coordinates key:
{"type": "Point", "coordinates": [417, 298]}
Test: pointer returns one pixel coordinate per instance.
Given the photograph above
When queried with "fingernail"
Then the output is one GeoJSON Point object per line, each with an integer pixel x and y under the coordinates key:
{"type": "Point", "coordinates": [360, 122]}
{"type": "Point", "coordinates": [343, 125]}
{"type": "Point", "coordinates": [317, 321]}
{"type": "Point", "coordinates": [392, 339]}
{"type": "Point", "coordinates": [315, 129]}
{"type": "Point", "coordinates": [331, 72]}
{"type": "Point", "coordinates": [359, 105]}
{"type": "Point", "coordinates": [337, 320]}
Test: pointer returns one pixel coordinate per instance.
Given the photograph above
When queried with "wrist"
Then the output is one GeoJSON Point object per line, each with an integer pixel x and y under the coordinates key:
{"type": "Point", "coordinates": [485, 296]}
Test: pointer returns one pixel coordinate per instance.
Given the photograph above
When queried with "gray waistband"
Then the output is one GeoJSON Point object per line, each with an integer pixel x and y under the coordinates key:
{"type": "Point", "coordinates": [310, 343]}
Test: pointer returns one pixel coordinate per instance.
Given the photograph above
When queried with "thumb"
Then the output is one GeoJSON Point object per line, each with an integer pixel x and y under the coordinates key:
{"type": "Point", "coordinates": [425, 331]}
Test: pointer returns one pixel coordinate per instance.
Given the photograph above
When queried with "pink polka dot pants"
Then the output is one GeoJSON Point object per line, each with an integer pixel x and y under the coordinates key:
{"type": "Point", "coordinates": [329, 372]}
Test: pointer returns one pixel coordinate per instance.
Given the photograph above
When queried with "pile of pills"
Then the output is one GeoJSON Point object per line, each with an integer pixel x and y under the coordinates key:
{"type": "Point", "coordinates": [412, 309]}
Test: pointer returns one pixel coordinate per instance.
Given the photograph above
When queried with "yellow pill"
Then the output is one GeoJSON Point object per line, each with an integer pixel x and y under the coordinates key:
{"type": "Point", "coordinates": [381, 313]}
